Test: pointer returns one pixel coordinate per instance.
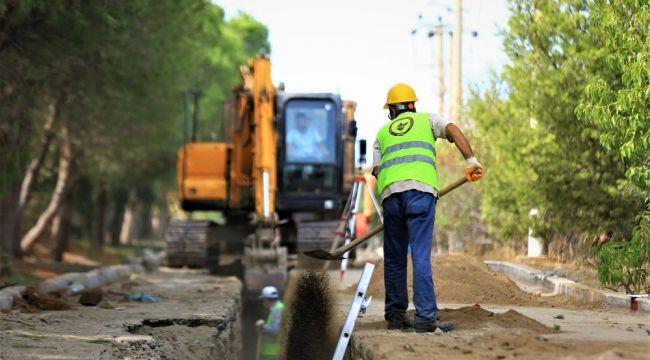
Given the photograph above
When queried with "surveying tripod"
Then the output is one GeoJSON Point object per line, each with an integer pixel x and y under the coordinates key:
{"type": "Point", "coordinates": [346, 228]}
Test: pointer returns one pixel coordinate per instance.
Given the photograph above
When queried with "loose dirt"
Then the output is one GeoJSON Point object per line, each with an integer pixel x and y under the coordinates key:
{"type": "Point", "coordinates": [465, 279]}
{"type": "Point", "coordinates": [308, 322]}
{"type": "Point", "coordinates": [504, 344]}
{"type": "Point", "coordinates": [501, 322]}
{"type": "Point", "coordinates": [34, 301]}
{"type": "Point", "coordinates": [473, 317]}
{"type": "Point", "coordinates": [180, 341]}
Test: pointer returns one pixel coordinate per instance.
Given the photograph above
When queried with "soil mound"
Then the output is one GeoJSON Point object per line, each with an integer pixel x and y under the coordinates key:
{"type": "Point", "coordinates": [462, 278]}
{"type": "Point", "coordinates": [34, 301]}
{"type": "Point", "coordinates": [474, 317]}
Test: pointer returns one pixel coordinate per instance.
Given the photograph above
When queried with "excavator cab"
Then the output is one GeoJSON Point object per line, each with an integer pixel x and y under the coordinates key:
{"type": "Point", "coordinates": [310, 154]}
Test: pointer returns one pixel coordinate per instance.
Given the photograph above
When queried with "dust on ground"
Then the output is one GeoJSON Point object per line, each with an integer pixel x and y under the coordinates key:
{"type": "Point", "coordinates": [502, 344]}
{"type": "Point", "coordinates": [465, 279]}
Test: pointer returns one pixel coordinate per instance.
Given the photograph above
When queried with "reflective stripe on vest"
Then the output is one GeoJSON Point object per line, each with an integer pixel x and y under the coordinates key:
{"type": "Point", "coordinates": [407, 159]}
{"type": "Point", "coordinates": [271, 344]}
{"type": "Point", "coordinates": [408, 152]}
{"type": "Point", "coordinates": [409, 145]}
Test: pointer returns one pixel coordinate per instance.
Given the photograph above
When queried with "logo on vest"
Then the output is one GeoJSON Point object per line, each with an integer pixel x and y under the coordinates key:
{"type": "Point", "coordinates": [401, 126]}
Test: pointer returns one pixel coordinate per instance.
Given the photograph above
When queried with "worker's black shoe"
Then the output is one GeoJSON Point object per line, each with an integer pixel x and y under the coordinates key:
{"type": "Point", "coordinates": [431, 326]}
{"type": "Point", "coordinates": [398, 321]}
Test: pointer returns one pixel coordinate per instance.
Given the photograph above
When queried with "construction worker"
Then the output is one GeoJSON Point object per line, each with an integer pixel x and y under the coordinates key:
{"type": "Point", "coordinates": [305, 143]}
{"type": "Point", "coordinates": [269, 330]}
{"type": "Point", "coordinates": [404, 162]}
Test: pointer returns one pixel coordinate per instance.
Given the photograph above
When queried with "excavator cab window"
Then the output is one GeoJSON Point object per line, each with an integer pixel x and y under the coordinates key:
{"type": "Point", "coordinates": [310, 132]}
{"type": "Point", "coordinates": [310, 146]}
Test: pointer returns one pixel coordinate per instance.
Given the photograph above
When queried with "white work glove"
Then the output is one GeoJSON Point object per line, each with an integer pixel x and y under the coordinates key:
{"type": "Point", "coordinates": [259, 324]}
{"type": "Point", "coordinates": [474, 170]}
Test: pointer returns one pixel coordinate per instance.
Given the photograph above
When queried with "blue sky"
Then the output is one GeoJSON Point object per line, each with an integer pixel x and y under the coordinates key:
{"type": "Point", "coordinates": [361, 48]}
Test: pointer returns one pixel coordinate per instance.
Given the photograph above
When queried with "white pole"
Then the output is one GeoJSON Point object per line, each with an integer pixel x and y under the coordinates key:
{"type": "Point", "coordinates": [265, 194]}
{"type": "Point", "coordinates": [457, 71]}
{"type": "Point", "coordinates": [441, 76]}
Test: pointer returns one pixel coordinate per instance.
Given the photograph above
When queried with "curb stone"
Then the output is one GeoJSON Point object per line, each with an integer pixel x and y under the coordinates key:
{"type": "Point", "coordinates": [564, 286]}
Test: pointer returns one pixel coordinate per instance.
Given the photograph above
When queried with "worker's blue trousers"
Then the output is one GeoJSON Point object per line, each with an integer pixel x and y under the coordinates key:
{"type": "Point", "coordinates": [408, 220]}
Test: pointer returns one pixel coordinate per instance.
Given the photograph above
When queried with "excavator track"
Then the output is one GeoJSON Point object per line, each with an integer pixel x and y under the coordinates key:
{"type": "Point", "coordinates": [192, 243]}
{"type": "Point", "coordinates": [314, 235]}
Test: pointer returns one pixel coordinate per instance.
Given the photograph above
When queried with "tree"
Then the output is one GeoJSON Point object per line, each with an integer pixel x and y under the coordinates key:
{"type": "Point", "coordinates": [618, 106]}
{"type": "Point", "coordinates": [113, 75]}
{"type": "Point", "coordinates": [540, 155]}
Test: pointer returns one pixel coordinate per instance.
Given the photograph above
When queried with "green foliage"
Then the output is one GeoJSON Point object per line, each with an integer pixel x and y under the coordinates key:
{"type": "Point", "coordinates": [539, 154]}
{"type": "Point", "coordinates": [626, 263]}
{"type": "Point", "coordinates": [620, 106]}
{"type": "Point", "coordinates": [116, 73]}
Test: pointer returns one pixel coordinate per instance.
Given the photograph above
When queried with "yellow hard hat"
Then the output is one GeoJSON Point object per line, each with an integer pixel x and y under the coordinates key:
{"type": "Point", "coordinates": [400, 93]}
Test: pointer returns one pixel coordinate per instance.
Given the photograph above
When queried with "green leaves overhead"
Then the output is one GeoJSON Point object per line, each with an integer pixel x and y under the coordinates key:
{"type": "Point", "coordinates": [117, 71]}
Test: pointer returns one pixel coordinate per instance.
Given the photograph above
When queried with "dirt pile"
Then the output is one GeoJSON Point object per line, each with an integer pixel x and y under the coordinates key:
{"type": "Point", "coordinates": [462, 278]}
{"type": "Point", "coordinates": [34, 301]}
{"type": "Point", "coordinates": [474, 317]}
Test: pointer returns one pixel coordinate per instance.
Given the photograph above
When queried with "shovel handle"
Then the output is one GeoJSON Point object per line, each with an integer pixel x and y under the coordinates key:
{"type": "Point", "coordinates": [452, 186]}
{"type": "Point", "coordinates": [356, 242]}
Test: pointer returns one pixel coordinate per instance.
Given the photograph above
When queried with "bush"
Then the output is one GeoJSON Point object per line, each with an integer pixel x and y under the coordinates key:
{"type": "Point", "coordinates": [626, 264]}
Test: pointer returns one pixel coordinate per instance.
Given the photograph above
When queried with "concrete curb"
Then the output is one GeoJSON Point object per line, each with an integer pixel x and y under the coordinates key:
{"type": "Point", "coordinates": [564, 286]}
{"type": "Point", "coordinates": [92, 279]}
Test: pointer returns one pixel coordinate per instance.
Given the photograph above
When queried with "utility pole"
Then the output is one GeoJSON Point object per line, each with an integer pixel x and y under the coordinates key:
{"type": "Point", "coordinates": [450, 66]}
{"type": "Point", "coordinates": [454, 64]}
{"type": "Point", "coordinates": [457, 90]}
{"type": "Point", "coordinates": [441, 76]}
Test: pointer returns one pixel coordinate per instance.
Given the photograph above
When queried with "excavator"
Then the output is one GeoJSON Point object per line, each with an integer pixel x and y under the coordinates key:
{"type": "Point", "coordinates": [280, 176]}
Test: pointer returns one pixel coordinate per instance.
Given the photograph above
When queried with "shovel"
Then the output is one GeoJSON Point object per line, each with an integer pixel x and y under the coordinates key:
{"type": "Point", "coordinates": [338, 253]}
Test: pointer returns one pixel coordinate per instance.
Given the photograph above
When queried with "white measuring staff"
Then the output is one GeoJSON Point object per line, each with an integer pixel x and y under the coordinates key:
{"type": "Point", "coordinates": [353, 314]}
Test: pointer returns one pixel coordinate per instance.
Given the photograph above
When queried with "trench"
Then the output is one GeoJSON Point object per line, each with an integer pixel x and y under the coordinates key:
{"type": "Point", "coordinates": [186, 338]}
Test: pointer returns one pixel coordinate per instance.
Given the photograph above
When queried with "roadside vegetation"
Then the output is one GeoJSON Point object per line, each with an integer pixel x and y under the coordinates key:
{"type": "Point", "coordinates": [91, 102]}
{"type": "Point", "coordinates": [565, 128]}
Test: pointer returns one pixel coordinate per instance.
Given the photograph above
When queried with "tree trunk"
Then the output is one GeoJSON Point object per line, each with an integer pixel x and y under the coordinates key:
{"type": "Point", "coordinates": [128, 224]}
{"type": "Point", "coordinates": [145, 212]}
{"type": "Point", "coordinates": [34, 170]}
{"type": "Point", "coordinates": [45, 219]}
{"type": "Point", "coordinates": [8, 214]}
{"type": "Point", "coordinates": [100, 221]}
{"type": "Point", "coordinates": [163, 213]}
{"type": "Point", "coordinates": [437, 237]}
{"type": "Point", "coordinates": [61, 228]}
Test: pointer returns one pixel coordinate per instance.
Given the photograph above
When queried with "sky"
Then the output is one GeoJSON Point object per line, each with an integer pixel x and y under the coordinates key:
{"type": "Point", "coordinates": [360, 48]}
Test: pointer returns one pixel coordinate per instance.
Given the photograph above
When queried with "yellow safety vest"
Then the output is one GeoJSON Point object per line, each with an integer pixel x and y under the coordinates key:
{"type": "Point", "coordinates": [407, 151]}
{"type": "Point", "coordinates": [271, 344]}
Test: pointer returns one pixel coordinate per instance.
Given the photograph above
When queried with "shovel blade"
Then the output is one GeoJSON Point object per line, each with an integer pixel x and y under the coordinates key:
{"type": "Point", "coordinates": [322, 255]}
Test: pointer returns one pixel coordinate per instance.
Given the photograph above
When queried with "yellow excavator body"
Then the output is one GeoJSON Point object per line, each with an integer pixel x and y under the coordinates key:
{"type": "Point", "coordinates": [265, 187]}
